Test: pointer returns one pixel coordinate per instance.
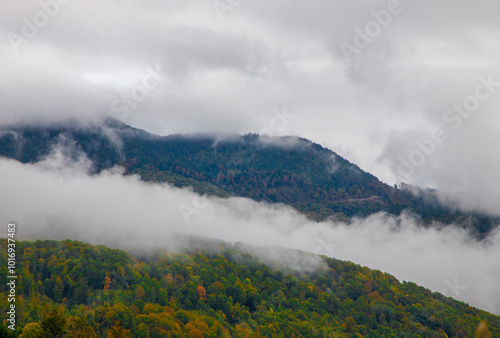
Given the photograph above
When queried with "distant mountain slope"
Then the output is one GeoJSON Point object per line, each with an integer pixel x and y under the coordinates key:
{"type": "Point", "coordinates": [215, 289]}
{"type": "Point", "coordinates": [288, 170]}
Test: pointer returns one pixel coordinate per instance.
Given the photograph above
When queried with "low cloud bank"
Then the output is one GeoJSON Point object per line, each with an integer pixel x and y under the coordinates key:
{"type": "Point", "coordinates": [54, 200]}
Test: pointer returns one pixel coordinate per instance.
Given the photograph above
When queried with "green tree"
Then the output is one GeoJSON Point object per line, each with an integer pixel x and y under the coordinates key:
{"type": "Point", "coordinates": [58, 289]}
{"type": "Point", "coordinates": [139, 293]}
{"type": "Point", "coordinates": [53, 324]}
{"type": "Point", "coordinates": [78, 328]}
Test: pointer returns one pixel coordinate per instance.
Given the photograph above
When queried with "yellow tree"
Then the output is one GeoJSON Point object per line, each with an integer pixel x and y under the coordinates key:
{"type": "Point", "coordinates": [195, 333]}
{"type": "Point", "coordinates": [107, 283]}
{"type": "Point", "coordinates": [117, 331]}
{"type": "Point", "coordinates": [32, 330]}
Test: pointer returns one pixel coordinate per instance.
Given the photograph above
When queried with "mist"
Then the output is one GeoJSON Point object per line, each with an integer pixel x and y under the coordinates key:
{"type": "Point", "coordinates": [57, 199]}
{"type": "Point", "coordinates": [230, 73]}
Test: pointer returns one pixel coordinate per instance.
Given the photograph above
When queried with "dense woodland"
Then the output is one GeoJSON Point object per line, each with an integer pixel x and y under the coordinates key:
{"type": "Point", "coordinates": [73, 289]}
{"type": "Point", "coordinates": [297, 172]}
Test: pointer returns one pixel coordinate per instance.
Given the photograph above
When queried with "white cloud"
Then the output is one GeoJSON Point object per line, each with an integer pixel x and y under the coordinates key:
{"type": "Point", "coordinates": [127, 213]}
{"type": "Point", "coordinates": [229, 76]}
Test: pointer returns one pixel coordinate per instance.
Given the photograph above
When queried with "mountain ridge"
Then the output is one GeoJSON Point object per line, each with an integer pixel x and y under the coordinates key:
{"type": "Point", "coordinates": [295, 171]}
{"type": "Point", "coordinates": [218, 289]}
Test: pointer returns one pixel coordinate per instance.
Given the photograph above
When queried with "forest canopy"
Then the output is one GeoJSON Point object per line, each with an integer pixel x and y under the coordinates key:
{"type": "Point", "coordinates": [73, 289]}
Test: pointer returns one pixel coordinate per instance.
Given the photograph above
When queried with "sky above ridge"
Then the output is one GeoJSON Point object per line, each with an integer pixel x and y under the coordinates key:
{"type": "Point", "coordinates": [408, 90]}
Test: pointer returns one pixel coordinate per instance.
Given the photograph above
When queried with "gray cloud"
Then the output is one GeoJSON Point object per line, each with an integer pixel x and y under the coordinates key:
{"type": "Point", "coordinates": [228, 75]}
{"type": "Point", "coordinates": [231, 75]}
{"type": "Point", "coordinates": [58, 200]}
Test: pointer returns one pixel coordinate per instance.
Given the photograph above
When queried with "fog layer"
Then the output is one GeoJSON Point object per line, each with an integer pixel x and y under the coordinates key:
{"type": "Point", "coordinates": [55, 200]}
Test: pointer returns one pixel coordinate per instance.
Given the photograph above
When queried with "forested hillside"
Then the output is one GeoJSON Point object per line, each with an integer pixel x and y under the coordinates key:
{"type": "Point", "coordinates": [297, 172]}
{"type": "Point", "coordinates": [73, 289]}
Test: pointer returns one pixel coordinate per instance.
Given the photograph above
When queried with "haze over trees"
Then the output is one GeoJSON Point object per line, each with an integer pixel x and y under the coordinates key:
{"type": "Point", "coordinates": [216, 289]}
{"type": "Point", "coordinates": [72, 289]}
{"type": "Point", "coordinates": [294, 171]}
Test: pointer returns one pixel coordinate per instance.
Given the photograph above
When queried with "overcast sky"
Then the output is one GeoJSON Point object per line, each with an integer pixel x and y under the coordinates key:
{"type": "Point", "coordinates": [366, 79]}
{"type": "Point", "coordinates": [407, 90]}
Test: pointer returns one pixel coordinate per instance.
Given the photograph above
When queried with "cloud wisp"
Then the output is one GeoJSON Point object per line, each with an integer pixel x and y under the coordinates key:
{"type": "Point", "coordinates": [372, 81]}
{"type": "Point", "coordinates": [127, 213]}
{"type": "Point", "coordinates": [356, 77]}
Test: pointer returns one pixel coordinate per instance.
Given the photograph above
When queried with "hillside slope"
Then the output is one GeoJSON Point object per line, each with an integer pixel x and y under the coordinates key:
{"type": "Point", "coordinates": [217, 289]}
{"type": "Point", "coordinates": [294, 171]}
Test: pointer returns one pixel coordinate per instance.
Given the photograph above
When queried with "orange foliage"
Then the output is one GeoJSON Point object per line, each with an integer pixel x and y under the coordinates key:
{"type": "Point", "coordinates": [202, 292]}
{"type": "Point", "coordinates": [107, 283]}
